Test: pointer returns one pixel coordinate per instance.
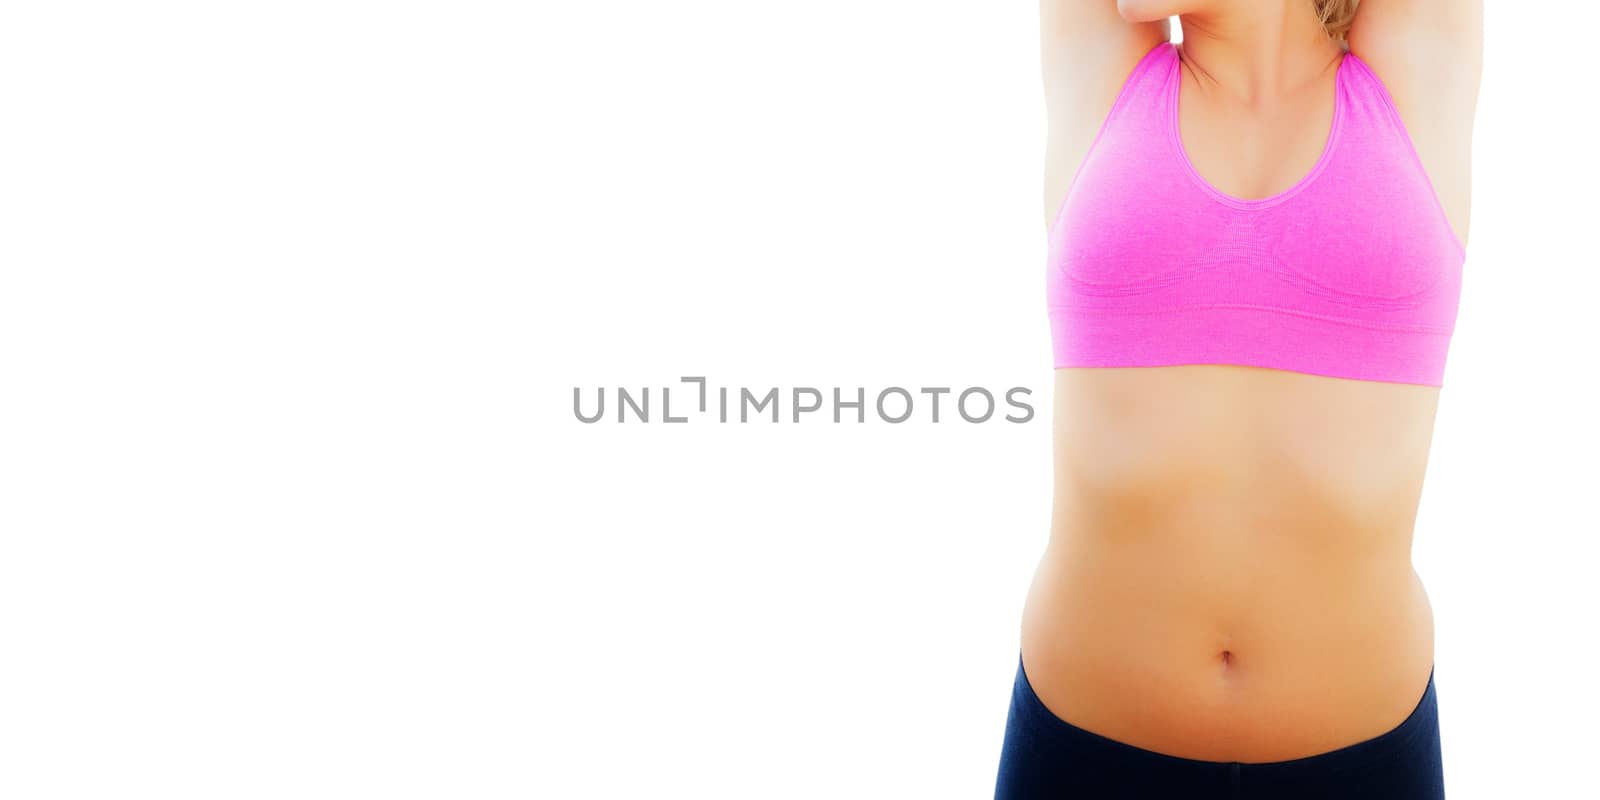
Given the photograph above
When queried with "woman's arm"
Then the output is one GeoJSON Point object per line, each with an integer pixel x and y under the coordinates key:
{"type": "Point", "coordinates": [1086, 50]}
{"type": "Point", "coordinates": [1429, 54]}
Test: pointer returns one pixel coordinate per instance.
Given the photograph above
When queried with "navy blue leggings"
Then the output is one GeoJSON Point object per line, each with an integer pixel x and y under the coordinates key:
{"type": "Point", "coordinates": [1044, 756]}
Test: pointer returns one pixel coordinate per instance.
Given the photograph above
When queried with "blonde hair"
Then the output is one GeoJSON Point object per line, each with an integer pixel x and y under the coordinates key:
{"type": "Point", "coordinates": [1336, 16]}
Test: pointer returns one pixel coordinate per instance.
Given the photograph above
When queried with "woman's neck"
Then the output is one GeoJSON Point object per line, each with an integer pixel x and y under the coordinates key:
{"type": "Point", "coordinates": [1254, 51]}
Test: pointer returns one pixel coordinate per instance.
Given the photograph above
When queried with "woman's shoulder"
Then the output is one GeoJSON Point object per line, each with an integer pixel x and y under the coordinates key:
{"type": "Point", "coordinates": [1427, 53]}
{"type": "Point", "coordinates": [1082, 78]}
{"type": "Point", "coordinates": [1428, 56]}
{"type": "Point", "coordinates": [1087, 54]}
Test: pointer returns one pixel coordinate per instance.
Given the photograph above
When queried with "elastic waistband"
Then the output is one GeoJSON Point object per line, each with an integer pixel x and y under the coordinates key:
{"type": "Point", "coordinates": [1419, 731]}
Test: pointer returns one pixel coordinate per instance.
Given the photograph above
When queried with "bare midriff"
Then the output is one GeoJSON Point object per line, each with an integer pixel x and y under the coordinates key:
{"type": "Point", "coordinates": [1229, 571]}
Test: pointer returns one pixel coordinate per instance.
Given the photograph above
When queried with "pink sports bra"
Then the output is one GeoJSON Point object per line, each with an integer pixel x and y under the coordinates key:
{"type": "Point", "coordinates": [1353, 272]}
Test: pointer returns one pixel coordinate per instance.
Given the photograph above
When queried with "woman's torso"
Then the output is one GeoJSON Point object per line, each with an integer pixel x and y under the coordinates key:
{"type": "Point", "coordinates": [1229, 574]}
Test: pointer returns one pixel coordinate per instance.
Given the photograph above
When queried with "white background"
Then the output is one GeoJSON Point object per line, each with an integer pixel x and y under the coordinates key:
{"type": "Point", "coordinates": [294, 296]}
